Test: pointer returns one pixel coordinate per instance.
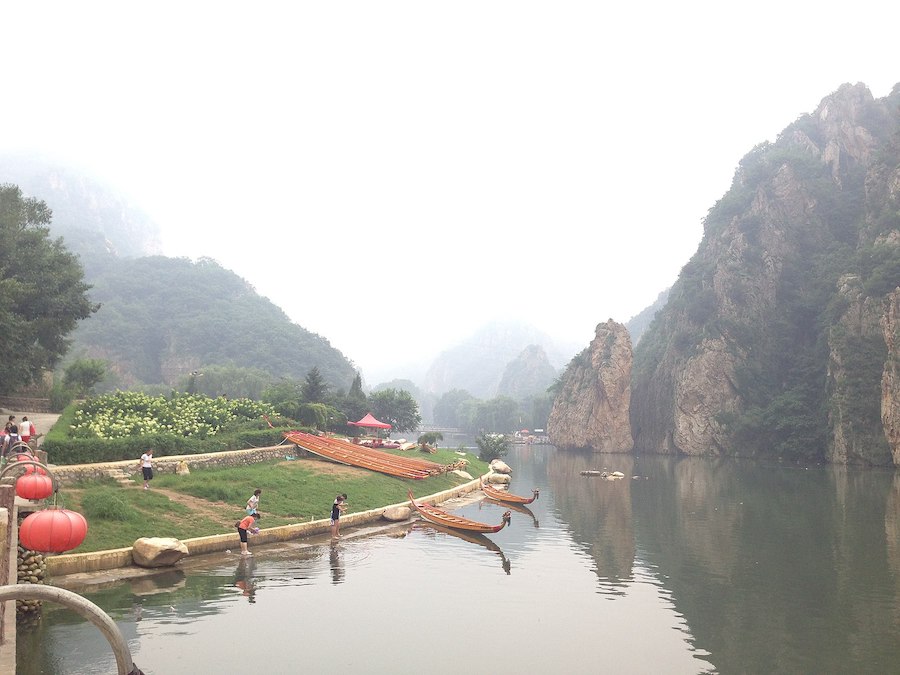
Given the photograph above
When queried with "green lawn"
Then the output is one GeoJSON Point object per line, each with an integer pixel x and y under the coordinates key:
{"type": "Point", "coordinates": [292, 491]}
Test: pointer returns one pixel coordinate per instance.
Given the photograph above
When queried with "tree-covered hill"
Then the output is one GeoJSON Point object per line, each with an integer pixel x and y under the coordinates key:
{"type": "Point", "coordinates": [162, 318]}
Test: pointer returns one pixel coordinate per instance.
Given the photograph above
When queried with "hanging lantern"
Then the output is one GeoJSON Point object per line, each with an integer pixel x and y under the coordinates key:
{"type": "Point", "coordinates": [53, 530]}
{"type": "Point", "coordinates": [31, 468]}
{"type": "Point", "coordinates": [34, 486]}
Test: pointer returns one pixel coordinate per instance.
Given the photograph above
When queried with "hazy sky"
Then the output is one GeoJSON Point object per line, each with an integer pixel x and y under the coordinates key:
{"type": "Point", "coordinates": [395, 174]}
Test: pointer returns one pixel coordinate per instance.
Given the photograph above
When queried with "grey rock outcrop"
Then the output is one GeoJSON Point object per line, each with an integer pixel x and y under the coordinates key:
{"type": "Point", "coordinates": [890, 382]}
{"type": "Point", "coordinates": [592, 408]}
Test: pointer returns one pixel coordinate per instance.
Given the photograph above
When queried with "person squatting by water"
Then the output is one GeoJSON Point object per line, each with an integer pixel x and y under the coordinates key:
{"type": "Point", "coordinates": [247, 523]}
{"type": "Point", "coordinates": [253, 502]}
{"type": "Point", "coordinates": [336, 509]}
{"type": "Point", "coordinates": [146, 465]}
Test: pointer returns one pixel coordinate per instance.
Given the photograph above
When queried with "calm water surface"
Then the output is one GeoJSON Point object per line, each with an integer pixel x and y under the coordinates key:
{"type": "Point", "coordinates": [693, 566]}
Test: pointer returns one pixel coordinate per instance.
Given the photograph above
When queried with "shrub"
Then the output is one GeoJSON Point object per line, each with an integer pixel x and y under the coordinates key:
{"type": "Point", "coordinates": [491, 446]}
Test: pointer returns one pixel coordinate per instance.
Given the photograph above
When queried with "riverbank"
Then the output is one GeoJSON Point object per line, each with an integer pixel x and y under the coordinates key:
{"type": "Point", "coordinates": [101, 563]}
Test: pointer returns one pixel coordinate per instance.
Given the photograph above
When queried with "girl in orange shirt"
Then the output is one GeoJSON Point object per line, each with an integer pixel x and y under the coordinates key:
{"type": "Point", "coordinates": [242, 527]}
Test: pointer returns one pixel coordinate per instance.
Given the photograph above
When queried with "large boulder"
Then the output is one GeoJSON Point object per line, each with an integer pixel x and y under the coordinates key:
{"type": "Point", "coordinates": [397, 514]}
{"type": "Point", "coordinates": [499, 466]}
{"type": "Point", "coordinates": [158, 551]}
{"type": "Point", "coordinates": [498, 478]}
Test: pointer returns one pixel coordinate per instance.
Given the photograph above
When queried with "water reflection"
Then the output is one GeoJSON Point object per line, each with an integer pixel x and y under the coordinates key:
{"type": "Point", "coordinates": [598, 512]}
{"type": "Point", "coordinates": [518, 508]}
{"type": "Point", "coordinates": [431, 530]}
{"type": "Point", "coordinates": [696, 565]}
{"type": "Point", "coordinates": [243, 578]}
{"type": "Point", "coordinates": [335, 563]}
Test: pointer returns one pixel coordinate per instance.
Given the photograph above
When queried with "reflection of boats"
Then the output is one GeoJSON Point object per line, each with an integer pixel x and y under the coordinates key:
{"type": "Point", "coordinates": [519, 508]}
{"type": "Point", "coordinates": [473, 538]}
{"type": "Point", "coordinates": [440, 517]}
{"type": "Point", "coordinates": [504, 496]}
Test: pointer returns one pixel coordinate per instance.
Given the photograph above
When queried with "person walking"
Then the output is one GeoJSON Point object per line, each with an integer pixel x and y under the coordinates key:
{"type": "Point", "coordinates": [336, 509]}
{"type": "Point", "coordinates": [247, 523]}
{"type": "Point", "coordinates": [26, 429]}
{"type": "Point", "coordinates": [146, 465]}
{"type": "Point", "coordinates": [253, 502]}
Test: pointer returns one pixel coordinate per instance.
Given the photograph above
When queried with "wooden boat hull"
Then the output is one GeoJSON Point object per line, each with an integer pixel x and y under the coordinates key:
{"type": "Point", "coordinates": [438, 516]}
{"type": "Point", "coordinates": [504, 496]}
{"type": "Point", "coordinates": [365, 458]}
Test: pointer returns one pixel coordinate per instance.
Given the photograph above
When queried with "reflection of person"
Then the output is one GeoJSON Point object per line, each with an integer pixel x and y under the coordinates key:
{"type": "Point", "coordinates": [336, 509]}
{"type": "Point", "coordinates": [146, 465]}
{"type": "Point", "coordinates": [247, 523]}
{"type": "Point", "coordinates": [243, 579]}
{"type": "Point", "coordinates": [253, 502]}
{"type": "Point", "coordinates": [337, 567]}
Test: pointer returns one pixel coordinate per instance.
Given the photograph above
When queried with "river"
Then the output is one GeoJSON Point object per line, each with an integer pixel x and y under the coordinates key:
{"type": "Point", "coordinates": [684, 566]}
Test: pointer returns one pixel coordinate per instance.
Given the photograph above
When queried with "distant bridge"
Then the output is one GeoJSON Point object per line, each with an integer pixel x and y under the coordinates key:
{"type": "Point", "coordinates": [433, 428]}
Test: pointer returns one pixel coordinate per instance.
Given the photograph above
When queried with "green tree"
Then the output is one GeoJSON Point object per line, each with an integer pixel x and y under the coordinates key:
{"type": "Point", "coordinates": [42, 291]}
{"type": "Point", "coordinates": [231, 381]}
{"type": "Point", "coordinates": [491, 446]}
{"type": "Point", "coordinates": [448, 411]}
{"type": "Point", "coordinates": [315, 389]}
{"type": "Point", "coordinates": [285, 397]}
{"type": "Point", "coordinates": [82, 375]}
{"type": "Point", "coordinates": [397, 407]}
{"type": "Point", "coordinates": [355, 404]}
{"type": "Point", "coordinates": [429, 438]}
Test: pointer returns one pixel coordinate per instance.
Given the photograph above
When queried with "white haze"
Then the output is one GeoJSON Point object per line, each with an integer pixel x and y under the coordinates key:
{"type": "Point", "coordinates": [395, 174]}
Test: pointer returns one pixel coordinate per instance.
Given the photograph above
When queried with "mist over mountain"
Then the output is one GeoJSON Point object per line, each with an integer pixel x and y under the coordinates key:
{"type": "Point", "coordinates": [163, 318]}
{"type": "Point", "coordinates": [478, 363]}
{"type": "Point", "coordinates": [95, 221]}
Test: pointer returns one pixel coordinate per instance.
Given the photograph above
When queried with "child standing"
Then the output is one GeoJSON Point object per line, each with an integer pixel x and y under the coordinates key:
{"type": "Point", "coordinates": [146, 465]}
{"type": "Point", "coordinates": [242, 526]}
{"type": "Point", "coordinates": [336, 509]}
{"type": "Point", "coordinates": [253, 502]}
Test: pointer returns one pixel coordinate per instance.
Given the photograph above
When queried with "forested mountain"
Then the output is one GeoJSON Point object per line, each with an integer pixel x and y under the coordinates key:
{"type": "Point", "coordinates": [162, 318]}
{"type": "Point", "coordinates": [95, 221]}
{"type": "Point", "coordinates": [781, 336]}
{"type": "Point", "coordinates": [529, 374]}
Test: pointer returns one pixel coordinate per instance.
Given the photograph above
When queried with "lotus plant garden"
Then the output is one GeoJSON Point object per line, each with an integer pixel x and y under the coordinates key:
{"type": "Point", "coordinates": [126, 414]}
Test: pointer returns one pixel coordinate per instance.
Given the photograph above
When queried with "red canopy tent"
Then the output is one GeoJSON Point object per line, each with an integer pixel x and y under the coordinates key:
{"type": "Point", "coordinates": [369, 421]}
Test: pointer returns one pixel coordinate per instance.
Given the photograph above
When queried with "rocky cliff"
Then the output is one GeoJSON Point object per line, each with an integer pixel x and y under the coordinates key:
{"type": "Point", "coordinates": [890, 381]}
{"type": "Point", "coordinates": [774, 339]}
{"type": "Point", "coordinates": [592, 408]}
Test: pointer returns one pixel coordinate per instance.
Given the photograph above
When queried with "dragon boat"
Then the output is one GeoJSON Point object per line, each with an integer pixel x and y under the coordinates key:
{"type": "Point", "coordinates": [438, 516]}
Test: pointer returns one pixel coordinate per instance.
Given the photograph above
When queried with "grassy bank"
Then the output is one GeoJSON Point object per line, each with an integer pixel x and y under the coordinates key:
{"type": "Point", "coordinates": [209, 501]}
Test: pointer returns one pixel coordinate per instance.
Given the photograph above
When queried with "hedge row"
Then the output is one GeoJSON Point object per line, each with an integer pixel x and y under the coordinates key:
{"type": "Point", "coordinates": [62, 450]}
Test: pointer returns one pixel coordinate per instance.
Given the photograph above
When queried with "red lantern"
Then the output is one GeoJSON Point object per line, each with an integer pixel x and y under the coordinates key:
{"type": "Point", "coordinates": [34, 486]}
{"type": "Point", "coordinates": [30, 468]}
{"type": "Point", "coordinates": [53, 530]}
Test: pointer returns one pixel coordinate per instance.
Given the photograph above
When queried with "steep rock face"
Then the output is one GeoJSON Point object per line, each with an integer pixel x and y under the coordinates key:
{"type": "Point", "coordinates": [592, 409]}
{"type": "Point", "coordinates": [856, 352]}
{"type": "Point", "coordinates": [737, 360]}
{"type": "Point", "coordinates": [890, 381]}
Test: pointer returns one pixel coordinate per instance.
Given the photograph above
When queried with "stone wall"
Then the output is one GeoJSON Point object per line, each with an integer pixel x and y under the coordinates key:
{"type": "Point", "coordinates": [169, 464]}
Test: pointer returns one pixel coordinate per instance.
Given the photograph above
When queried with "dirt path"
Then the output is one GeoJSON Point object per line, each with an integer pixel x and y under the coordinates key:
{"type": "Point", "coordinates": [201, 507]}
